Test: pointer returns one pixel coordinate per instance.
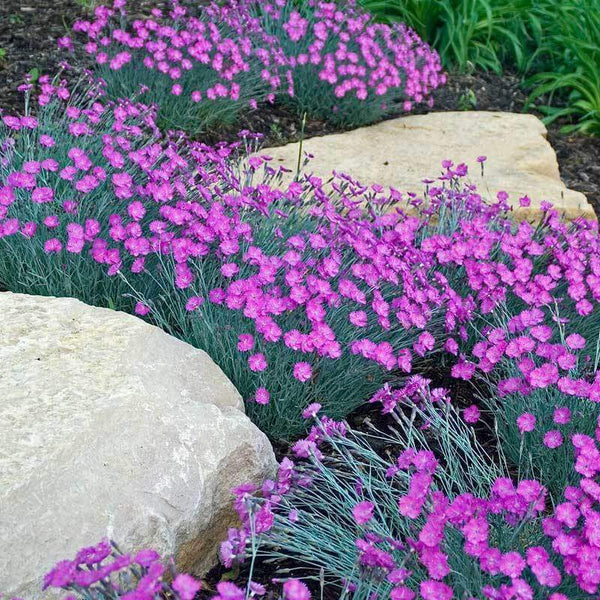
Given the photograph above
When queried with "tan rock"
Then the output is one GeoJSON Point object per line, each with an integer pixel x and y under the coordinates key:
{"type": "Point", "coordinates": [402, 152]}
{"type": "Point", "coordinates": [111, 427]}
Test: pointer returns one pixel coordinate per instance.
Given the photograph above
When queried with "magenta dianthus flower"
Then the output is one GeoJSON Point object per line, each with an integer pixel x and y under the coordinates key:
{"type": "Point", "coordinates": [526, 422]}
{"type": "Point", "coordinates": [262, 396]}
{"type": "Point", "coordinates": [257, 362]}
{"type": "Point", "coordinates": [293, 589]}
{"type": "Point", "coordinates": [311, 410]}
{"type": "Point", "coordinates": [186, 586]}
{"type": "Point", "coordinates": [363, 512]}
{"type": "Point", "coordinates": [302, 371]}
{"type": "Point", "coordinates": [471, 414]}
{"type": "Point", "coordinates": [435, 590]}
{"type": "Point", "coordinates": [553, 439]}
{"type": "Point", "coordinates": [562, 415]}
{"type": "Point", "coordinates": [142, 309]}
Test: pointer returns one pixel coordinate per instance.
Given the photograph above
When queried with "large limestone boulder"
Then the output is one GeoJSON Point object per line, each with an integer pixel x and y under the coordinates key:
{"type": "Point", "coordinates": [402, 152]}
{"type": "Point", "coordinates": [111, 427]}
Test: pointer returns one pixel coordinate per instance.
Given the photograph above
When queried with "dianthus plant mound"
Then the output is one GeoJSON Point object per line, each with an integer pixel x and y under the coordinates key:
{"type": "Point", "coordinates": [203, 66]}
{"type": "Point", "coordinates": [295, 290]}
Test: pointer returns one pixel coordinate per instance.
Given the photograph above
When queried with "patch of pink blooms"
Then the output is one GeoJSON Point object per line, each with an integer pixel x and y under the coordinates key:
{"type": "Point", "coordinates": [571, 546]}
{"type": "Point", "coordinates": [102, 571]}
{"type": "Point", "coordinates": [359, 262]}
{"type": "Point", "coordinates": [215, 51]}
{"type": "Point", "coordinates": [346, 49]}
{"type": "Point", "coordinates": [101, 567]}
{"type": "Point", "coordinates": [356, 56]}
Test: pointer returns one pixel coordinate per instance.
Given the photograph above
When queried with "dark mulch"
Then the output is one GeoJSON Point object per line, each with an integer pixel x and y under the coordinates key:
{"type": "Point", "coordinates": [28, 33]}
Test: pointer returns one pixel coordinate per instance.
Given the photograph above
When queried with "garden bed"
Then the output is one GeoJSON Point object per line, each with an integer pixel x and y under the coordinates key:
{"type": "Point", "coordinates": [441, 361]}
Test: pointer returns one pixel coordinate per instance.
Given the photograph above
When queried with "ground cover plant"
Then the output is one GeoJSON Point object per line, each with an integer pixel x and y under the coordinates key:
{"type": "Point", "coordinates": [104, 572]}
{"type": "Point", "coordinates": [201, 71]}
{"type": "Point", "coordinates": [293, 289]}
{"type": "Point", "coordinates": [346, 68]}
{"type": "Point", "coordinates": [203, 65]}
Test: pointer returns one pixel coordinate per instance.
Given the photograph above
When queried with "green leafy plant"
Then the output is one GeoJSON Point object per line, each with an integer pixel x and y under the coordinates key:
{"type": "Point", "coordinates": [467, 100]}
{"type": "Point", "coordinates": [570, 86]}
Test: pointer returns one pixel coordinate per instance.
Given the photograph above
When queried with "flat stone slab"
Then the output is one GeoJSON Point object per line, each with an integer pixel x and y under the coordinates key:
{"type": "Point", "coordinates": [401, 152]}
{"type": "Point", "coordinates": [111, 427]}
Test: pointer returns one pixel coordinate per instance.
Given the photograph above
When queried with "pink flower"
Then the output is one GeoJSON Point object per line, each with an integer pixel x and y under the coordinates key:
{"type": "Point", "coordinates": [136, 209]}
{"type": "Point", "coordinates": [435, 590]}
{"type": "Point", "coordinates": [302, 371]}
{"type": "Point", "coordinates": [7, 196]}
{"type": "Point", "coordinates": [525, 201]}
{"type": "Point", "coordinates": [471, 414]}
{"type": "Point", "coordinates": [544, 376]}
{"type": "Point", "coordinates": [257, 362]}
{"type": "Point", "coordinates": [262, 396]}
{"type": "Point", "coordinates": [146, 557]}
{"type": "Point", "coordinates": [562, 415]}
{"type": "Point", "coordinates": [245, 342]}
{"type": "Point", "coordinates": [52, 245]}
{"type": "Point", "coordinates": [229, 269]}
{"type": "Point", "coordinates": [12, 122]}
{"type": "Point", "coordinates": [553, 439]}
{"type": "Point", "coordinates": [51, 221]}
{"type": "Point", "coordinates": [512, 564]}
{"type": "Point", "coordinates": [311, 410]}
{"type": "Point", "coordinates": [358, 318]}
{"type": "Point", "coordinates": [47, 141]}
{"type": "Point", "coordinates": [61, 575]}
{"type": "Point", "coordinates": [216, 296]}
{"type": "Point", "coordinates": [575, 341]}
{"type": "Point", "coordinates": [296, 26]}
{"type": "Point", "coordinates": [463, 370]}
{"type": "Point", "coordinates": [229, 591]}
{"type": "Point", "coordinates": [186, 586]}
{"type": "Point", "coordinates": [363, 512]}
{"type": "Point", "coordinates": [142, 309]}
{"type": "Point", "coordinates": [65, 43]}
{"type": "Point", "coordinates": [193, 302]}
{"type": "Point", "coordinates": [42, 195]}
{"type": "Point", "coordinates": [28, 229]}
{"type": "Point", "coordinates": [295, 590]}
{"type": "Point", "coordinates": [402, 593]}
{"type": "Point", "coordinates": [526, 422]}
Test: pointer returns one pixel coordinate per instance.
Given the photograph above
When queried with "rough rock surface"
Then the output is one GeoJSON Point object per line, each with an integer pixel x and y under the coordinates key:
{"type": "Point", "coordinates": [111, 427]}
{"type": "Point", "coordinates": [402, 152]}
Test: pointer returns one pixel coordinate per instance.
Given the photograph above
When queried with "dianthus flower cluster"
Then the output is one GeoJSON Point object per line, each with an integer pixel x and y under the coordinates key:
{"type": "Point", "coordinates": [339, 50]}
{"type": "Point", "coordinates": [418, 564]}
{"type": "Point", "coordinates": [247, 52]}
{"type": "Point", "coordinates": [102, 571]}
{"type": "Point", "coordinates": [346, 280]}
{"type": "Point", "coordinates": [222, 55]}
